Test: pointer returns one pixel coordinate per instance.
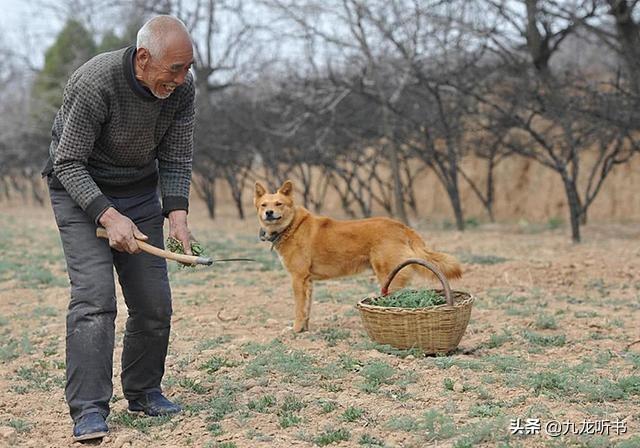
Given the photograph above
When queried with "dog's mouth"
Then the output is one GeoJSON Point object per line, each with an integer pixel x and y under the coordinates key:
{"type": "Point", "coordinates": [272, 218]}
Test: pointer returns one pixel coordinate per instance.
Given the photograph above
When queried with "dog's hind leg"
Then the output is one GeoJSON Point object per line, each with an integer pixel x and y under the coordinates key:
{"type": "Point", "coordinates": [302, 289]}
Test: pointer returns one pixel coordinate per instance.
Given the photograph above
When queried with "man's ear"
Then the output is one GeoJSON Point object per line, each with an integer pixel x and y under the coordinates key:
{"type": "Point", "coordinates": [259, 191]}
{"type": "Point", "coordinates": [286, 188]}
{"type": "Point", "coordinates": [142, 58]}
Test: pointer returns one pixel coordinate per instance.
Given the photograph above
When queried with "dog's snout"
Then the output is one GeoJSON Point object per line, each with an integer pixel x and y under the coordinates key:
{"type": "Point", "coordinates": [269, 213]}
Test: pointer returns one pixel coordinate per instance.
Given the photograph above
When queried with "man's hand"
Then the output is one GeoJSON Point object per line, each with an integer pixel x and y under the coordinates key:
{"type": "Point", "coordinates": [122, 231]}
{"type": "Point", "coordinates": [179, 229]}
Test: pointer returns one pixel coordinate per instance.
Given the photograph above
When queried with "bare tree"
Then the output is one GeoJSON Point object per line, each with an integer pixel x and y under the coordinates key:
{"type": "Point", "coordinates": [553, 113]}
{"type": "Point", "coordinates": [355, 40]}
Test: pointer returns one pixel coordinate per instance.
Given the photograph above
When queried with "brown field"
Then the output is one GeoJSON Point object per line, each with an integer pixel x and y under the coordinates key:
{"type": "Point", "coordinates": [551, 337]}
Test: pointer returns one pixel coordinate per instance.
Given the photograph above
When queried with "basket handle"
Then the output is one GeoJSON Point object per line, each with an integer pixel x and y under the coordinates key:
{"type": "Point", "coordinates": [427, 264]}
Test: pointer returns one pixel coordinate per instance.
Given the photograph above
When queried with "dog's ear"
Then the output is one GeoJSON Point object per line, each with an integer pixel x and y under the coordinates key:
{"type": "Point", "coordinates": [259, 191]}
{"type": "Point", "coordinates": [286, 188]}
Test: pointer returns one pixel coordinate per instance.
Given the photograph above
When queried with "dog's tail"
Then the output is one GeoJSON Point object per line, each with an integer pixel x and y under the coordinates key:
{"type": "Point", "coordinates": [448, 264]}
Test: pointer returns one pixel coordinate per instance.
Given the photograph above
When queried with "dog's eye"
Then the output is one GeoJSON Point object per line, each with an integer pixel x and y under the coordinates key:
{"type": "Point", "coordinates": [263, 205]}
{"type": "Point", "coordinates": [278, 204]}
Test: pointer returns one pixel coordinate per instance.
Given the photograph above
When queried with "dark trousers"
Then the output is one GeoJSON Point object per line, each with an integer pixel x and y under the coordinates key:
{"type": "Point", "coordinates": [92, 309]}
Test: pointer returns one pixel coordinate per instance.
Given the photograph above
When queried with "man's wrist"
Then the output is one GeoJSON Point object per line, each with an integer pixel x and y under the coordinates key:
{"type": "Point", "coordinates": [108, 216]}
{"type": "Point", "coordinates": [177, 214]}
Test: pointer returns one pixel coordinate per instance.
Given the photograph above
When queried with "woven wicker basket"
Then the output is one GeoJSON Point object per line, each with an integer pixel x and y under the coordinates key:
{"type": "Point", "coordinates": [436, 329]}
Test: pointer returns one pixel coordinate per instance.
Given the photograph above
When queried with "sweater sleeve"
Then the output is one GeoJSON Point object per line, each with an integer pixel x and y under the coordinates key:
{"type": "Point", "coordinates": [83, 112]}
{"type": "Point", "coordinates": [175, 153]}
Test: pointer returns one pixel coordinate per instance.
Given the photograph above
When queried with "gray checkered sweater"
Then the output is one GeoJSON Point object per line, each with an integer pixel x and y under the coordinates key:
{"type": "Point", "coordinates": [112, 137]}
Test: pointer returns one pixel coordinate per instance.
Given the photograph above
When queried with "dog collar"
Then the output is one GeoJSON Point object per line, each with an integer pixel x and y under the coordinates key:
{"type": "Point", "coordinates": [273, 238]}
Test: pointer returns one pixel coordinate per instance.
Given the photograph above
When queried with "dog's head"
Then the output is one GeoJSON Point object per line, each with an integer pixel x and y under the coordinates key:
{"type": "Point", "coordinates": [275, 211]}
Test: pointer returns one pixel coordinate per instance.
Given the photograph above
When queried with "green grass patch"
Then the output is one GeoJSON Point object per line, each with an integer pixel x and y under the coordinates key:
{"type": "Point", "coordinates": [21, 426]}
{"type": "Point", "coordinates": [634, 359]}
{"type": "Point", "coordinates": [193, 385]}
{"type": "Point", "coordinates": [139, 423]}
{"type": "Point", "coordinates": [225, 402]}
{"type": "Point", "coordinates": [432, 424]}
{"type": "Point", "coordinates": [332, 335]}
{"type": "Point", "coordinates": [369, 441]}
{"type": "Point", "coordinates": [546, 322]}
{"type": "Point", "coordinates": [484, 433]}
{"type": "Point", "coordinates": [329, 436]}
{"type": "Point", "coordinates": [215, 363]}
{"type": "Point", "coordinates": [555, 340]}
{"type": "Point", "coordinates": [44, 311]}
{"type": "Point", "coordinates": [448, 383]}
{"type": "Point", "coordinates": [209, 344]}
{"type": "Point", "coordinates": [632, 442]}
{"type": "Point", "coordinates": [288, 419]}
{"type": "Point", "coordinates": [506, 363]}
{"type": "Point", "coordinates": [499, 339]}
{"type": "Point", "coordinates": [585, 314]}
{"type": "Point", "coordinates": [351, 414]}
{"type": "Point", "coordinates": [226, 445]}
{"type": "Point", "coordinates": [37, 377]}
{"type": "Point", "coordinates": [275, 357]}
{"type": "Point", "coordinates": [215, 429]}
{"type": "Point", "coordinates": [38, 276]}
{"type": "Point", "coordinates": [287, 414]}
{"type": "Point", "coordinates": [484, 410]}
{"type": "Point", "coordinates": [376, 373]}
{"type": "Point", "coordinates": [327, 406]}
{"type": "Point", "coordinates": [263, 404]}
{"type": "Point", "coordinates": [292, 404]}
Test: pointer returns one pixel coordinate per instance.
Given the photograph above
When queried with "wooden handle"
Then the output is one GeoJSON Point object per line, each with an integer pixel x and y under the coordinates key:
{"type": "Point", "coordinates": [153, 250]}
{"type": "Point", "coordinates": [427, 264]}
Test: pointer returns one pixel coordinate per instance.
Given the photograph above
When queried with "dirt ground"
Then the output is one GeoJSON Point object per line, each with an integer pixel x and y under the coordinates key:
{"type": "Point", "coordinates": [553, 337]}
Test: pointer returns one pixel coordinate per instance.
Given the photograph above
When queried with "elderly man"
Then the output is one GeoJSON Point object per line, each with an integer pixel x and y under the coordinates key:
{"type": "Point", "coordinates": [125, 125]}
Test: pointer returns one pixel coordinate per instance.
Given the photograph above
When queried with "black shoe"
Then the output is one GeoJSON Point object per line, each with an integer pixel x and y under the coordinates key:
{"type": "Point", "coordinates": [90, 426]}
{"type": "Point", "coordinates": [154, 404]}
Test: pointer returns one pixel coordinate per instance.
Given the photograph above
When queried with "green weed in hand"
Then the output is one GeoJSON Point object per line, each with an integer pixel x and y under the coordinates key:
{"type": "Point", "coordinates": [175, 246]}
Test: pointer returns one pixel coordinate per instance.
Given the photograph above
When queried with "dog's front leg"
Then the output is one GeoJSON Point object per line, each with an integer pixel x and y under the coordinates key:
{"type": "Point", "coordinates": [302, 296]}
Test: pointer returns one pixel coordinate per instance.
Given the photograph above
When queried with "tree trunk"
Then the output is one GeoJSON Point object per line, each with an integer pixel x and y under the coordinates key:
{"type": "Point", "coordinates": [210, 200]}
{"type": "Point", "coordinates": [575, 208]}
{"type": "Point", "coordinates": [628, 35]}
{"type": "Point", "coordinates": [206, 189]}
{"type": "Point", "coordinates": [236, 193]}
{"type": "Point", "coordinates": [398, 197]}
{"type": "Point", "coordinates": [454, 198]}
{"type": "Point", "coordinates": [490, 191]}
{"type": "Point", "coordinates": [583, 218]}
{"type": "Point", "coordinates": [392, 151]}
{"type": "Point", "coordinates": [239, 207]}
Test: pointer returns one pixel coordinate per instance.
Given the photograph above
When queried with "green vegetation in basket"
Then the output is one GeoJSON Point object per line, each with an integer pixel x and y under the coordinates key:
{"type": "Point", "coordinates": [176, 246]}
{"type": "Point", "coordinates": [410, 298]}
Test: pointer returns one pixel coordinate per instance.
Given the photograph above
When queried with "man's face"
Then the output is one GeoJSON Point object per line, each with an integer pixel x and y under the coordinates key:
{"type": "Point", "coordinates": [163, 74]}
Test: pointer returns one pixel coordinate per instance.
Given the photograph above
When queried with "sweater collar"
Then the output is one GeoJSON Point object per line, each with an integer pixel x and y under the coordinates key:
{"type": "Point", "coordinates": [128, 61]}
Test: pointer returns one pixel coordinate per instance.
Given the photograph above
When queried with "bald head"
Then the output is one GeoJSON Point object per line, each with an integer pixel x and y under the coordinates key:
{"type": "Point", "coordinates": [164, 55]}
{"type": "Point", "coordinates": [163, 33]}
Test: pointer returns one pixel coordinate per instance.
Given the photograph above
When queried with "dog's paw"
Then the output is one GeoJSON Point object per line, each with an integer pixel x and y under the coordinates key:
{"type": "Point", "coordinates": [299, 327]}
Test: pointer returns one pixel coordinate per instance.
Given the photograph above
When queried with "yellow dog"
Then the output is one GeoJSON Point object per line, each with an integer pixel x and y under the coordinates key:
{"type": "Point", "coordinates": [315, 247]}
